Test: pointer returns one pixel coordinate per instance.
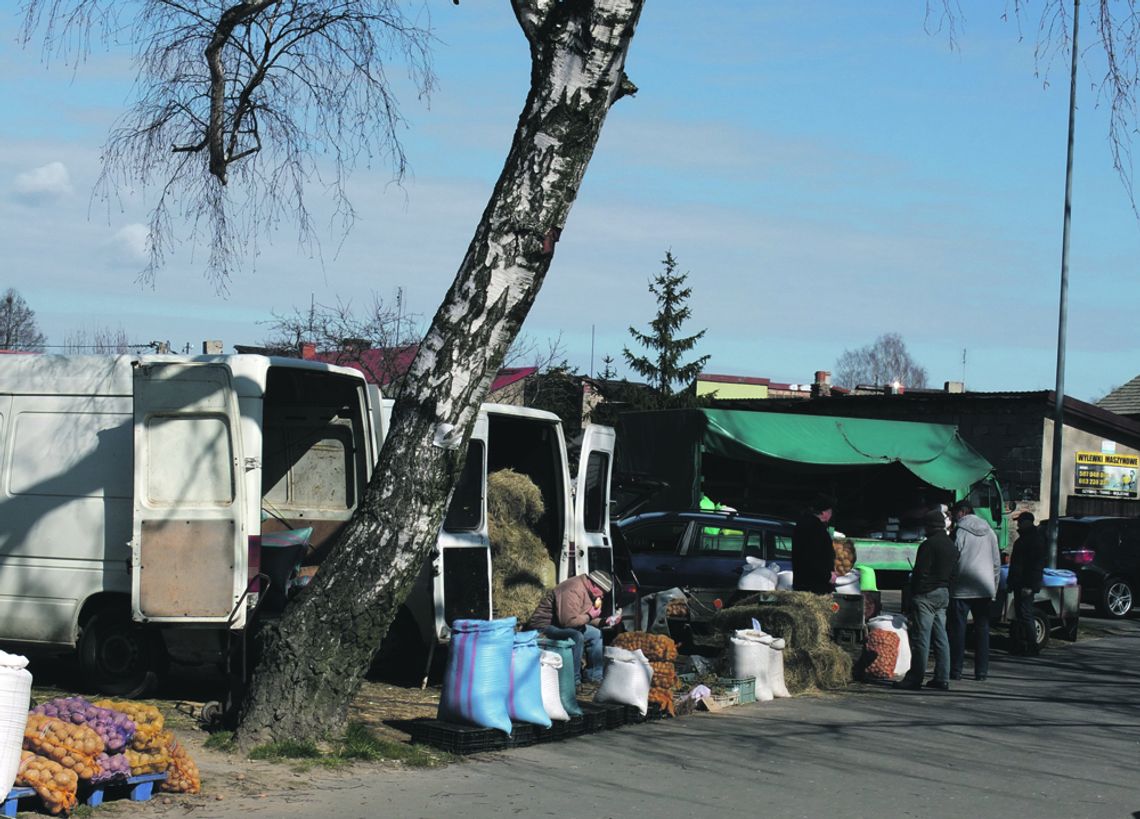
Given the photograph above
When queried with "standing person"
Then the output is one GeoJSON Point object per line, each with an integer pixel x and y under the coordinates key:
{"type": "Point", "coordinates": [572, 610]}
{"type": "Point", "coordinates": [934, 569]}
{"type": "Point", "coordinates": [973, 590]}
{"type": "Point", "coordinates": [813, 556]}
{"type": "Point", "coordinates": [1026, 571]}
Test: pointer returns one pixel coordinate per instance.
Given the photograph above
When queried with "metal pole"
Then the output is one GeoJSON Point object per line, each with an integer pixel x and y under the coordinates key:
{"type": "Point", "coordinates": [1062, 320]}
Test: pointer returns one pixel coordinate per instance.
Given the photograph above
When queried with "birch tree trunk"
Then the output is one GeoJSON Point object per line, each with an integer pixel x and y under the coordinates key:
{"type": "Point", "coordinates": [314, 658]}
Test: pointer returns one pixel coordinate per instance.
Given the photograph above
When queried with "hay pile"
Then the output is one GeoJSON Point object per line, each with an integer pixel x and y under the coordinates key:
{"type": "Point", "coordinates": [811, 659]}
{"type": "Point", "coordinates": [521, 568]}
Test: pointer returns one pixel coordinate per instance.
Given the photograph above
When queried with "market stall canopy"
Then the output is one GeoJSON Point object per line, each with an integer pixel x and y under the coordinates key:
{"type": "Point", "coordinates": [935, 453]}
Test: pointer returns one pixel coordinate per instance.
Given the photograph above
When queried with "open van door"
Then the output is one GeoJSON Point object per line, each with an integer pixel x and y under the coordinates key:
{"type": "Point", "coordinates": [189, 543]}
{"type": "Point", "coordinates": [592, 500]}
{"type": "Point", "coordinates": [461, 561]}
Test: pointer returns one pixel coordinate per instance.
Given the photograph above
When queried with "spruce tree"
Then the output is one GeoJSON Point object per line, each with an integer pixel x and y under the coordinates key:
{"type": "Point", "coordinates": [661, 366]}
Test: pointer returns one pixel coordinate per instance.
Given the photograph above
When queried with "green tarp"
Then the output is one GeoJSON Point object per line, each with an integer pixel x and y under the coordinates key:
{"type": "Point", "coordinates": [933, 452]}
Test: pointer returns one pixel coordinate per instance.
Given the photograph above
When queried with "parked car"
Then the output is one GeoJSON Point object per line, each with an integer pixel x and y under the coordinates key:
{"type": "Point", "coordinates": [1104, 552]}
{"type": "Point", "coordinates": [661, 550]}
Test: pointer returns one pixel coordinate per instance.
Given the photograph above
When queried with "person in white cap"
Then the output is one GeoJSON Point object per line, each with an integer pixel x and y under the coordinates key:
{"type": "Point", "coordinates": [572, 610]}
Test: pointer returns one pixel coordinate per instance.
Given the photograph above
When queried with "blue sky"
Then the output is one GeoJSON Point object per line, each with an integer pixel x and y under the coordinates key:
{"type": "Point", "coordinates": [825, 171]}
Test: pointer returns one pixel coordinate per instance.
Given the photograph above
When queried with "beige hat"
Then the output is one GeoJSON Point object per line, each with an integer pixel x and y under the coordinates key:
{"type": "Point", "coordinates": [603, 580]}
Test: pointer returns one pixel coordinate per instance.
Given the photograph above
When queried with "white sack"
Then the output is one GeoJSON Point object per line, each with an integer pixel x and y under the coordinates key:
{"type": "Point", "coordinates": [15, 698]}
{"type": "Point", "coordinates": [897, 624]}
{"type": "Point", "coordinates": [627, 679]}
{"type": "Point", "coordinates": [757, 576]}
{"type": "Point", "coordinates": [551, 664]}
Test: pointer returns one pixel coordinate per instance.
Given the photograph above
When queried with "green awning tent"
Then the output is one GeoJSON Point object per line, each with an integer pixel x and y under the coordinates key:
{"type": "Point", "coordinates": [935, 453]}
{"type": "Point", "coordinates": [670, 445]}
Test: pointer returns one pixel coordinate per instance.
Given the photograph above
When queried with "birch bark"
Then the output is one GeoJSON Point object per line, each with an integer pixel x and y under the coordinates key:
{"type": "Point", "coordinates": [315, 657]}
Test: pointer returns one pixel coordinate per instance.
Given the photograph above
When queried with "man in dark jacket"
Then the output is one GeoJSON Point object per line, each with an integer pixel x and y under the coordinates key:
{"type": "Point", "coordinates": [813, 556]}
{"type": "Point", "coordinates": [934, 568]}
{"type": "Point", "coordinates": [1026, 571]}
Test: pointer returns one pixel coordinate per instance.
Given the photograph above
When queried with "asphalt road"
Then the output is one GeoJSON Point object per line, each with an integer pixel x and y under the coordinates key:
{"type": "Point", "coordinates": [1052, 736]}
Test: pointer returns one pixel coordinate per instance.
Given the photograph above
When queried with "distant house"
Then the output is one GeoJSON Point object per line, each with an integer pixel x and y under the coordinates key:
{"type": "Point", "coordinates": [385, 366]}
{"type": "Point", "coordinates": [1124, 400]}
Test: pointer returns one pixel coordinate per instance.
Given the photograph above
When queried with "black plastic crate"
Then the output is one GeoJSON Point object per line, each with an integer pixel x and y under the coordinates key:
{"type": "Point", "coordinates": [615, 715]}
{"type": "Point", "coordinates": [458, 739]}
{"type": "Point", "coordinates": [557, 731]}
{"type": "Point", "coordinates": [594, 717]}
{"type": "Point", "coordinates": [523, 734]}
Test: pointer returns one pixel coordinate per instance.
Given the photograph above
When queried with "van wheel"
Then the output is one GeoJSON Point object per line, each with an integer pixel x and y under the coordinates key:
{"type": "Point", "coordinates": [1040, 630]}
{"type": "Point", "coordinates": [1116, 598]}
{"type": "Point", "coordinates": [117, 656]}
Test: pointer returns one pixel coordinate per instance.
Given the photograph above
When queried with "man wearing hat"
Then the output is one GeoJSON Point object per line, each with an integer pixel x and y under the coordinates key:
{"type": "Point", "coordinates": [572, 610]}
{"type": "Point", "coordinates": [813, 556]}
{"type": "Point", "coordinates": [935, 566]}
{"type": "Point", "coordinates": [1026, 571]}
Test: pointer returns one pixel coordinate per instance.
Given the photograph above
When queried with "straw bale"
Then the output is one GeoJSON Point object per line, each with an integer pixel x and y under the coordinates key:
{"type": "Point", "coordinates": [826, 667]}
{"type": "Point", "coordinates": [801, 618]}
{"type": "Point", "coordinates": [521, 569]}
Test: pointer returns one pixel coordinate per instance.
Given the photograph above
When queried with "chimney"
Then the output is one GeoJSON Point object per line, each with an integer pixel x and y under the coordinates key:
{"type": "Point", "coordinates": [212, 347]}
{"type": "Point", "coordinates": [954, 386]}
{"type": "Point", "coordinates": [308, 350]}
{"type": "Point", "coordinates": [821, 388]}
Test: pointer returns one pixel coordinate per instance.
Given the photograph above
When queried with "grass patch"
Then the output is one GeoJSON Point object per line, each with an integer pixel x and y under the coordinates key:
{"type": "Point", "coordinates": [361, 743]}
{"type": "Point", "coordinates": [221, 741]}
{"type": "Point", "coordinates": [286, 749]}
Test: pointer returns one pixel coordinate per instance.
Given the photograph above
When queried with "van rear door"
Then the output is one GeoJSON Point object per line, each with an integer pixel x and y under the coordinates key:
{"type": "Point", "coordinates": [592, 500]}
{"type": "Point", "coordinates": [188, 549]}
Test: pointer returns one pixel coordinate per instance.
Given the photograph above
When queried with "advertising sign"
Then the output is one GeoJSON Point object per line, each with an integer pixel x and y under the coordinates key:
{"type": "Point", "coordinates": [1107, 474]}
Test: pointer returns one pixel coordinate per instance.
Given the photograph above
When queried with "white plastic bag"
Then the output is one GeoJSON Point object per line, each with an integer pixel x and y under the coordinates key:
{"type": "Point", "coordinates": [848, 583]}
{"type": "Point", "coordinates": [757, 576]}
{"type": "Point", "coordinates": [15, 698]}
{"type": "Point", "coordinates": [551, 663]}
{"type": "Point", "coordinates": [897, 624]}
{"type": "Point", "coordinates": [627, 679]}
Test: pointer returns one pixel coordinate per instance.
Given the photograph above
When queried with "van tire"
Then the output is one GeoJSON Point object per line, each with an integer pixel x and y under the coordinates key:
{"type": "Point", "coordinates": [117, 656]}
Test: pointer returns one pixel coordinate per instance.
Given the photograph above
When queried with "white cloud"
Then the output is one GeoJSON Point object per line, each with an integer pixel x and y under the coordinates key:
{"type": "Point", "coordinates": [44, 184]}
{"type": "Point", "coordinates": [129, 245]}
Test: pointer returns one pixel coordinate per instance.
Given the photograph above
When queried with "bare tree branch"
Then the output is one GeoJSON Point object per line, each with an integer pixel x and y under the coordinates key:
{"type": "Point", "coordinates": [270, 94]}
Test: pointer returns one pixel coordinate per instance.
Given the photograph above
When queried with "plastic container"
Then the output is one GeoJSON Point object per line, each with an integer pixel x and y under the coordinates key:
{"type": "Point", "coordinates": [745, 687]}
{"type": "Point", "coordinates": [458, 739]}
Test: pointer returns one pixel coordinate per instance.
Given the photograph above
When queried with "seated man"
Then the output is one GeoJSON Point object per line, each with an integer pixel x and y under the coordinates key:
{"type": "Point", "coordinates": [572, 610]}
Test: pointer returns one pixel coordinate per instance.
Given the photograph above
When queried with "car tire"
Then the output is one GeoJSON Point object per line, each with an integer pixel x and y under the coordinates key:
{"type": "Point", "coordinates": [1117, 598]}
{"type": "Point", "coordinates": [117, 656]}
{"type": "Point", "coordinates": [1041, 629]}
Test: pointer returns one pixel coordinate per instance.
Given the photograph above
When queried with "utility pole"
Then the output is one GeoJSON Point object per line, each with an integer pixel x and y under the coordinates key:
{"type": "Point", "coordinates": [1063, 310]}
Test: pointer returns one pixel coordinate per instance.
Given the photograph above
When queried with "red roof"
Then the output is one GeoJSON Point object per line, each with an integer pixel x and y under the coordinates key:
{"type": "Point", "coordinates": [383, 365]}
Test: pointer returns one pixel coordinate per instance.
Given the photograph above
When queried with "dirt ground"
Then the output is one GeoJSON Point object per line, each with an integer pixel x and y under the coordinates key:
{"type": "Point", "coordinates": [385, 708]}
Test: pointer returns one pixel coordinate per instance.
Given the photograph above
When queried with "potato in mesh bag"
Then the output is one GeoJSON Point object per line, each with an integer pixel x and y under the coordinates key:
{"type": "Point", "coordinates": [148, 720]}
{"type": "Point", "coordinates": [55, 784]}
{"type": "Point", "coordinates": [182, 776]}
{"type": "Point", "coordinates": [75, 747]}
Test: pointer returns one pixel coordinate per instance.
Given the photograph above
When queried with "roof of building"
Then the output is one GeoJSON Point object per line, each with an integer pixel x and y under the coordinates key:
{"type": "Point", "coordinates": [1124, 400]}
{"type": "Point", "coordinates": [733, 379]}
{"type": "Point", "coordinates": [383, 365]}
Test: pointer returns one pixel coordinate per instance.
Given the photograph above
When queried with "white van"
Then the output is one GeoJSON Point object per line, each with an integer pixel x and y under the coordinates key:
{"type": "Point", "coordinates": [575, 528]}
{"type": "Point", "coordinates": [134, 491]}
{"type": "Point", "coordinates": [130, 489]}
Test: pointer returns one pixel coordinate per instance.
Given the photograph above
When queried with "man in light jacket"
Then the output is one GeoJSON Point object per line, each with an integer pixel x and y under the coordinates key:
{"type": "Point", "coordinates": [973, 590]}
